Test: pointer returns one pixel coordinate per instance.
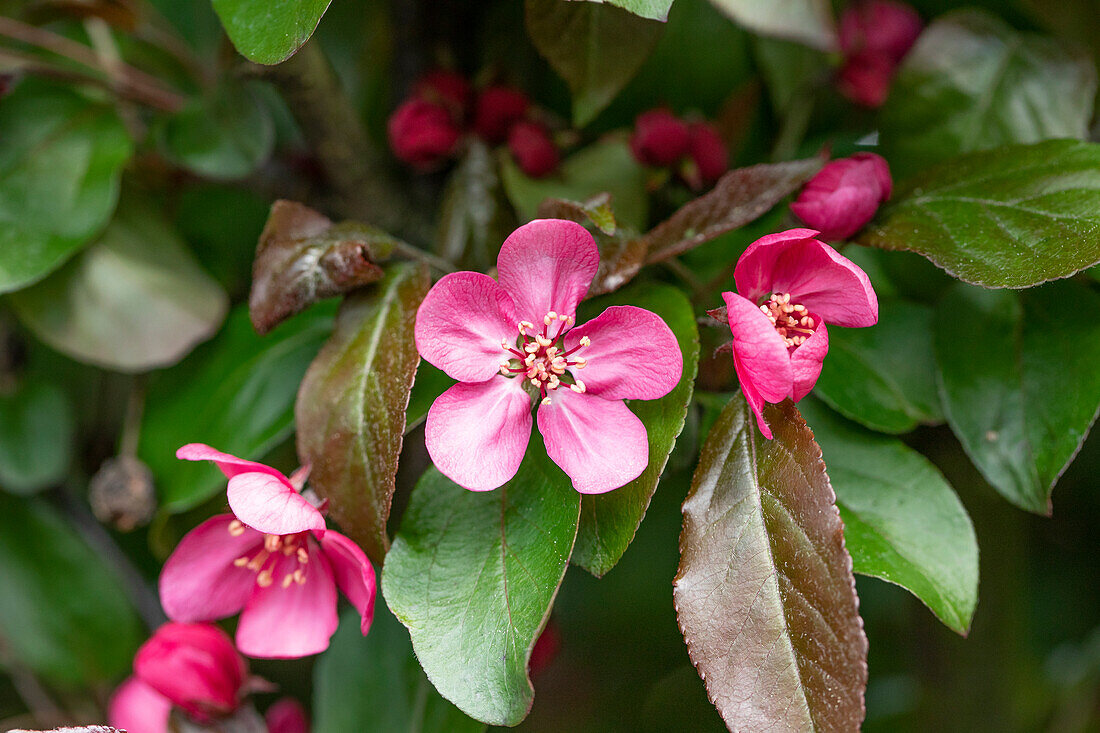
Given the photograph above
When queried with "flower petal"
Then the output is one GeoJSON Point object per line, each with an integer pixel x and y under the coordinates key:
{"type": "Point", "coordinates": [286, 716]}
{"type": "Point", "coordinates": [547, 265]}
{"type": "Point", "coordinates": [229, 465]}
{"type": "Point", "coordinates": [600, 443]}
{"type": "Point", "coordinates": [139, 708]}
{"type": "Point", "coordinates": [460, 324]}
{"type": "Point", "coordinates": [353, 572]}
{"type": "Point", "coordinates": [806, 362]}
{"type": "Point", "coordinates": [815, 275]}
{"type": "Point", "coordinates": [633, 354]}
{"type": "Point", "coordinates": [763, 361]}
{"type": "Point", "coordinates": [477, 434]}
{"type": "Point", "coordinates": [267, 504]}
{"type": "Point", "coordinates": [756, 402]}
{"type": "Point", "coordinates": [199, 582]}
{"type": "Point", "coordinates": [293, 621]}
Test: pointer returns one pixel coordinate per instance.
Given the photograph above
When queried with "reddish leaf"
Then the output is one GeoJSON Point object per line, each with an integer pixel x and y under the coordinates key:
{"type": "Point", "coordinates": [351, 405]}
{"type": "Point", "coordinates": [765, 593]}
{"type": "Point", "coordinates": [739, 197]}
{"type": "Point", "coordinates": [596, 210]}
{"type": "Point", "coordinates": [303, 258]}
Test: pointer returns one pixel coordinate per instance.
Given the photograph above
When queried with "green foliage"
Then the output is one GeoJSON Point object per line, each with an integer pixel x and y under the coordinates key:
{"type": "Point", "coordinates": [37, 430]}
{"type": "Point", "coordinates": [806, 21]}
{"type": "Point", "coordinates": [473, 218]}
{"type": "Point", "coordinates": [269, 31]}
{"type": "Point", "coordinates": [61, 156]}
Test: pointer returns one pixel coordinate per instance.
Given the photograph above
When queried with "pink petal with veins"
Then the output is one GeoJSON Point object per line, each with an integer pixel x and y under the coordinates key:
{"type": "Point", "coordinates": [199, 582]}
{"type": "Point", "coordinates": [806, 362]}
{"type": "Point", "coordinates": [547, 265]}
{"type": "Point", "coordinates": [353, 573]}
{"type": "Point", "coordinates": [264, 503]}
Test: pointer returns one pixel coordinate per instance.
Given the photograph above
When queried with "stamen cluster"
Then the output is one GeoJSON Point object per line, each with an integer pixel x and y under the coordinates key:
{"type": "Point", "coordinates": [791, 320]}
{"type": "Point", "coordinates": [542, 358]}
{"type": "Point", "coordinates": [266, 558]}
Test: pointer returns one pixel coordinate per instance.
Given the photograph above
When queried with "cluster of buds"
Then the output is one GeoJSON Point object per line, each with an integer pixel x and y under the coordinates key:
{"type": "Point", "coordinates": [844, 195]}
{"type": "Point", "coordinates": [426, 129]}
{"type": "Point", "coordinates": [875, 35]}
{"type": "Point", "coordinates": [692, 149]}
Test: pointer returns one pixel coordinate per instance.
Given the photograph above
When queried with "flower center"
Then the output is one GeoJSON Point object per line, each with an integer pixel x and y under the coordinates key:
{"type": "Point", "coordinates": [265, 561]}
{"type": "Point", "coordinates": [791, 320]}
{"type": "Point", "coordinates": [540, 356]}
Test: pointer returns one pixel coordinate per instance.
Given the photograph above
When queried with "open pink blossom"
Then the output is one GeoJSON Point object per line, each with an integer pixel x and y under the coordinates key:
{"type": "Point", "coordinates": [789, 286]}
{"type": "Point", "coordinates": [513, 339]}
{"type": "Point", "coordinates": [282, 581]}
{"type": "Point", "coordinates": [844, 195]}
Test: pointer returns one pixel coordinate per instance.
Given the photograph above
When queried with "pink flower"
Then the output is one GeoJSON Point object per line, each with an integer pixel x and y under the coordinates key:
{"type": "Point", "coordinates": [138, 708]}
{"type": "Point", "coordinates": [875, 35]}
{"type": "Point", "coordinates": [790, 286]}
{"type": "Point", "coordinates": [286, 716]}
{"type": "Point", "coordinates": [708, 153]}
{"type": "Point", "coordinates": [533, 149]}
{"type": "Point", "coordinates": [844, 195]}
{"type": "Point", "coordinates": [422, 133]}
{"type": "Point", "coordinates": [195, 667]}
{"type": "Point", "coordinates": [660, 138]}
{"type": "Point", "coordinates": [274, 562]}
{"type": "Point", "coordinates": [513, 339]}
{"type": "Point", "coordinates": [497, 109]}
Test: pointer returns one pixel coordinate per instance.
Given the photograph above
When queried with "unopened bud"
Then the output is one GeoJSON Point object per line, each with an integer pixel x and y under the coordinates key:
{"type": "Point", "coordinates": [122, 493]}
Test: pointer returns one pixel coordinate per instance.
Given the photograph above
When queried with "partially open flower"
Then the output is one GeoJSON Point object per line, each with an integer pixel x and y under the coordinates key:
{"type": "Point", "coordinates": [534, 151]}
{"type": "Point", "coordinates": [422, 133]}
{"type": "Point", "coordinates": [660, 138]}
{"type": "Point", "coordinates": [496, 110]}
{"type": "Point", "coordinates": [517, 339]}
{"type": "Point", "coordinates": [844, 195]}
{"type": "Point", "coordinates": [789, 286]}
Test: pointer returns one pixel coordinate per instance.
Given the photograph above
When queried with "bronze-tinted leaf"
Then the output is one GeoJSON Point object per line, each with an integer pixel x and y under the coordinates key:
{"type": "Point", "coordinates": [740, 196]}
{"type": "Point", "coordinates": [765, 594]}
{"type": "Point", "coordinates": [303, 257]}
{"type": "Point", "coordinates": [596, 210]}
{"type": "Point", "coordinates": [351, 405]}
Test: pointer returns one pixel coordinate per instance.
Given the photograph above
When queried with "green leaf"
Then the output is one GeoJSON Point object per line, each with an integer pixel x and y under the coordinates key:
{"type": "Point", "coordinates": [606, 166]}
{"type": "Point", "coordinates": [235, 393]}
{"type": "Point", "coordinates": [973, 83]}
{"type": "Point", "coordinates": [652, 9]}
{"type": "Point", "coordinates": [473, 219]}
{"type": "Point", "coordinates": [1019, 382]}
{"type": "Point", "coordinates": [807, 21]}
{"type": "Point", "coordinates": [269, 31]}
{"type": "Point", "coordinates": [765, 594]}
{"type": "Point", "coordinates": [902, 521]}
{"type": "Point", "coordinates": [62, 612]}
{"type": "Point", "coordinates": [351, 406]}
{"type": "Point", "coordinates": [225, 136]}
{"type": "Point", "coordinates": [473, 576]}
{"type": "Point", "coordinates": [37, 431]}
{"type": "Point", "coordinates": [596, 48]}
{"type": "Point", "coordinates": [609, 521]}
{"type": "Point", "coordinates": [373, 684]}
{"type": "Point", "coordinates": [884, 376]}
{"type": "Point", "coordinates": [429, 384]}
{"type": "Point", "coordinates": [1012, 217]}
{"type": "Point", "coordinates": [135, 300]}
{"type": "Point", "coordinates": [61, 157]}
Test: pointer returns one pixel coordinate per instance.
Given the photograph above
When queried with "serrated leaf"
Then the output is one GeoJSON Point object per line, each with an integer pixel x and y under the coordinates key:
{"type": "Point", "coordinates": [596, 48]}
{"type": "Point", "coordinates": [473, 576]}
{"type": "Point", "coordinates": [63, 613]}
{"type": "Point", "coordinates": [765, 594]}
{"type": "Point", "coordinates": [902, 521]}
{"type": "Point", "coordinates": [37, 431]}
{"type": "Point", "coordinates": [1022, 390]}
{"type": "Point", "coordinates": [973, 83]}
{"type": "Point", "coordinates": [739, 197]}
{"type": "Point", "coordinates": [884, 377]}
{"type": "Point", "coordinates": [806, 21]}
{"type": "Point", "coordinates": [303, 258]}
{"type": "Point", "coordinates": [609, 521]}
{"type": "Point", "coordinates": [61, 157]}
{"type": "Point", "coordinates": [1012, 217]}
{"type": "Point", "coordinates": [235, 393]}
{"type": "Point", "coordinates": [269, 31]}
{"type": "Point", "coordinates": [135, 300]}
{"type": "Point", "coordinates": [350, 411]}
{"type": "Point", "coordinates": [373, 684]}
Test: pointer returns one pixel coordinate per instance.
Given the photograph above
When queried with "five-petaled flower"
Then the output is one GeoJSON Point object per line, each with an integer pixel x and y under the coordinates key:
{"type": "Point", "coordinates": [789, 286]}
{"type": "Point", "coordinates": [272, 560]}
{"type": "Point", "coordinates": [515, 338]}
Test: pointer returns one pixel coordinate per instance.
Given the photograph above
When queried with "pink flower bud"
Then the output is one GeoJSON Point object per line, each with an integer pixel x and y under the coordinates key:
{"type": "Point", "coordinates": [844, 195]}
{"type": "Point", "coordinates": [660, 138]}
{"type": "Point", "coordinates": [286, 716]}
{"type": "Point", "coordinates": [533, 149]}
{"type": "Point", "coordinates": [708, 152]}
{"type": "Point", "coordinates": [448, 88]}
{"type": "Point", "coordinates": [881, 27]}
{"type": "Point", "coordinates": [497, 109]}
{"type": "Point", "coordinates": [195, 666]}
{"type": "Point", "coordinates": [422, 133]}
{"type": "Point", "coordinates": [865, 79]}
{"type": "Point", "coordinates": [546, 648]}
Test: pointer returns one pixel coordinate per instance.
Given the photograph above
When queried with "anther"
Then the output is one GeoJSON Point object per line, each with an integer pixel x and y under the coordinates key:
{"type": "Point", "coordinates": [240, 562]}
{"type": "Point", "coordinates": [585, 341]}
{"type": "Point", "coordinates": [579, 387]}
{"type": "Point", "coordinates": [549, 318]}
{"type": "Point", "coordinates": [265, 578]}
{"type": "Point", "coordinates": [545, 401]}
{"type": "Point", "coordinates": [287, 580]}
{"type": "Point", "coordinates": [236, 528]}
{"type": "Point", "coordinates": [303, 556]}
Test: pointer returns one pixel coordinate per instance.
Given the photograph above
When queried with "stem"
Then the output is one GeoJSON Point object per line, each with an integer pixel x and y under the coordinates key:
{"type": "Point", "coordinates": [131, 423]}
{"type": "Point", "coordinates": [34, 695]}
{"type": "Point", "coordinates": [426, 257]}
{"type": "Point", "coordinates": [681, 271]}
